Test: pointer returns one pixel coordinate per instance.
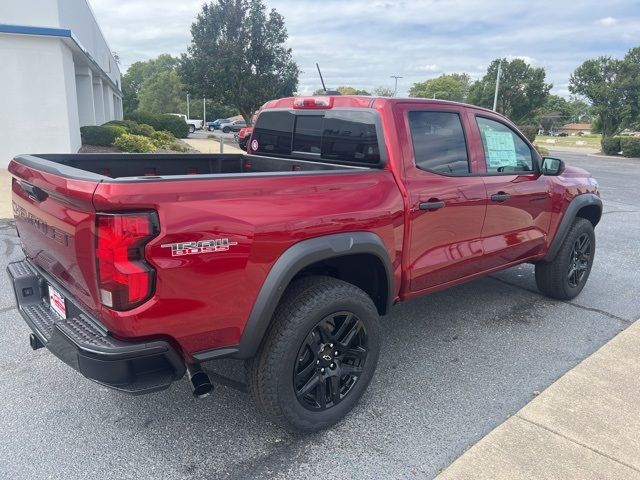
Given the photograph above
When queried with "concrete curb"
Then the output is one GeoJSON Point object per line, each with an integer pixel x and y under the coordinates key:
{"type": "Point", "coordinates": [584, 426]}
{"type": "Point", "coordinates": [611, 157]}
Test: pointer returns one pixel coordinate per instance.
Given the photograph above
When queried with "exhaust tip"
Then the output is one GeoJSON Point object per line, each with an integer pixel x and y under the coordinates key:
{"type": "Point", "coordinates": [200, 382]}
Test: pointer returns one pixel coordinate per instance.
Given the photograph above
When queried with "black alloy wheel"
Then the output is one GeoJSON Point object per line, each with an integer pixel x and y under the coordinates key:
{"type": "Point", "coordinates": [580, 258]}
{"type": "Point", "coordinates": [330, 361]}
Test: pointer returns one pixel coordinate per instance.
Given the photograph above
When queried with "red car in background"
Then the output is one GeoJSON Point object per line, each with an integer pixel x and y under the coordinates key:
{"type": "Point", "coordinates": [243, 136]}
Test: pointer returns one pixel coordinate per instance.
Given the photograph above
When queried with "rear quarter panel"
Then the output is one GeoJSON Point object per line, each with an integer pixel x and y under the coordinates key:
{"type": "Point", "coordinates": [203, 301]}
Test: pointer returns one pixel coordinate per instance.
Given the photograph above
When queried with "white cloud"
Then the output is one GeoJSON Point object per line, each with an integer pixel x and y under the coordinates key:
{"type": "Point", "coordinates": [362, 42]}
{"type": "Point", "coordinates": [525, 58]}
{"type": "Point", "coordinates": [429, 68]}
{"type": "Point", "coordinates": [607, 21]}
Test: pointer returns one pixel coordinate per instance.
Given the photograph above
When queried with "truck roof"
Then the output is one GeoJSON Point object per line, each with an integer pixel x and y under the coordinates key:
{"type": "Point", "coordinates": [359, 101]}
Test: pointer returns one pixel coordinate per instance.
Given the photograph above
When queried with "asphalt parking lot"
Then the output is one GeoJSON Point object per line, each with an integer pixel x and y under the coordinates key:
{"type": "Point", "coordinates": [453, 366]}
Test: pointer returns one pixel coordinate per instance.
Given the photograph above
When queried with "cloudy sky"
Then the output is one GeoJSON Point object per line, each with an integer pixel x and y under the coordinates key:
{"type": "Point", "coordinates": [362, 42]}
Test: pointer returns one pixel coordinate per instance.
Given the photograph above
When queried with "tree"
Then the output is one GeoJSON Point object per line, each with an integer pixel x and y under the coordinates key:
{"type": "Point", "coordinates": [383, 91]}
{"type": "Point", "coordinates": [344, 90]}
{"type": "Point", "coordinates": [138, 74]}
{"type": "Point", "coordinates": [580, 111]}
{"type": "Point", "coordinates": [238, 55]}
{"type": "Point", "coordinates": [163, 92]}
{"type": "Point", "coordinates": [555, 112]}
{"type": "Point", "coordinates": [521, 93]}
{"type": "Point", "coordinates": [630, 80]}
{"type": "Point", "coordinates": [453, 87]}
{"type": "Point", "coordinates": [599, 80]}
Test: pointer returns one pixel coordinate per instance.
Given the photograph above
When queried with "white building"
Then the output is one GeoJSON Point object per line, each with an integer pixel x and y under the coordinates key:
{"type": "Point", "coordinates": [57, 74]}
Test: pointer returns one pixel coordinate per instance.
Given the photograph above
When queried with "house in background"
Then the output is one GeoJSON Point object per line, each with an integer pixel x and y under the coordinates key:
{"type": "Point", "coordinates": [58, 74]}
{"type": "Point", "coordinates": [573, 129]}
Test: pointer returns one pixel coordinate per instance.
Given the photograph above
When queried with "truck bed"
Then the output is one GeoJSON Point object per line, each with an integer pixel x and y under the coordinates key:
{"type": "Point", "coordinates": [131, 167]}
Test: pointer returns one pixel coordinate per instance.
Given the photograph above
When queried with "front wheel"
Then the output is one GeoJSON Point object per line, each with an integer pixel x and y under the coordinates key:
{"type": "Point", "coordinates": [566, 275]}
{"type": "Point", "coordinates": [318, 356]}
{"type": "Point", "coordinates": [192, 129]}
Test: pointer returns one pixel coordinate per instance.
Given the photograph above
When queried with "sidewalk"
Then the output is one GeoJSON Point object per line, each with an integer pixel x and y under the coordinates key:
{"type": "Point", "coordinates": [211, 146]}
{"type": "Point", "coordinates": [584, 426]}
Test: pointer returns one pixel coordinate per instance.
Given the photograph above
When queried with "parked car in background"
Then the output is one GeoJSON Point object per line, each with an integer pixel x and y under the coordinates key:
{"type": "Point", "coordinates": [235, 126]}
{"type": "Point", "coordinates": [215, 125]}
{"type": "Point", "coordinates": [243, 136]}
{"type": "Point", "coordinates": [193, 124]}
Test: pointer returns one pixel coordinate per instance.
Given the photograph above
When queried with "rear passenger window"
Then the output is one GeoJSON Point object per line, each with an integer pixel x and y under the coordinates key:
{"type": "Point", "coordinates": [274, 136]}
{"type": "Point", "coordinates": [438, 142]}
{"type": "Point", "coordinates": [504, 150]}
{"type": "Point", "coordinates": [338, 136]}
{"type": "Point", "coordinates": [350, 136]}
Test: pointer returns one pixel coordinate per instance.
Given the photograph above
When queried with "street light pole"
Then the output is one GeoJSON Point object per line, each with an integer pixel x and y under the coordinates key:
{"type": "Point", "coordinates": [395, 90]}
{"type": "Point", "coordinates": [188, 115]}
{"type": "Point", "coordinates": [495, 95]}
{"type": "Point", "coordinates": [204, 112]}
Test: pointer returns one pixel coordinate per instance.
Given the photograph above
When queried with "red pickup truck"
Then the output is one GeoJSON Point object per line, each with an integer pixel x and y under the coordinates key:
{"type": "Point", "coordinates": [141, 267]}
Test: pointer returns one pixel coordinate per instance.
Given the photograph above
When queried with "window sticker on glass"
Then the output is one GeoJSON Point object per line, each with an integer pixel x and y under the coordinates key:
{"type": "Point", "coordinates": [500, 148]}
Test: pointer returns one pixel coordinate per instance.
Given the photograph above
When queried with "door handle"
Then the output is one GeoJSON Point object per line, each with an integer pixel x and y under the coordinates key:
{"type": "Point", "coordinates": [431, 205]}
{"type": "Point", "coordinates": [500, 197]}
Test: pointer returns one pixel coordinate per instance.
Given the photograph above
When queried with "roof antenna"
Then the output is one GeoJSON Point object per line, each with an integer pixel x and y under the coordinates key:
{"type": "Point", "coordinates": [324, 87]}
{"type": "Point", "coordinates": [321, 79]}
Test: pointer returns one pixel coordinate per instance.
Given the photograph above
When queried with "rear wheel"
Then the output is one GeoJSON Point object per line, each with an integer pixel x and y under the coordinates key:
{"type": "Point", "coordinates": [318, 356]}
{"type": "Point", "coordinates": [566, 275]}
{"type": "Point", "coordinates": [226, 130]}
{"type": "Point", "coordinates": [192, 129]}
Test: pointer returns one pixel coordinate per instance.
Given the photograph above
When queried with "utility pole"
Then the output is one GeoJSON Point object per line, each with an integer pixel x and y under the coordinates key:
{"type": "Point", "coordinates": [188, 115]}
{"type": "Point", "coordinates": [495, 95]}
{"type": "Point", "coordinates": [395, 90]}
{"type": "Point", "coordinates": [204, 112]}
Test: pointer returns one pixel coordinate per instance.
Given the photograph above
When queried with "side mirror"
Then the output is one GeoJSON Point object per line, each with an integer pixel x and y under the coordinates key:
{"type": "Point", "coordinates": [552, 166]}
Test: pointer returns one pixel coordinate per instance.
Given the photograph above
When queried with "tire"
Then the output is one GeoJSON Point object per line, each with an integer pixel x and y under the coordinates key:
{"type": "Point", "coordinates": [211, 129]}
{"type": "Point", "coordinates": [192, 129]}
{"type": "Point", "coordinates": [310, 312]}
{"type": "Point", "coordinates": [226, 130]}
{"type": "Point", "coordinates": [566, 275]}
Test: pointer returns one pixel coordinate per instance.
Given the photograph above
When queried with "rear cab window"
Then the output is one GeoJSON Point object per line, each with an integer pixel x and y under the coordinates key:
{"type": "Point", "coordinates": [341, 136]}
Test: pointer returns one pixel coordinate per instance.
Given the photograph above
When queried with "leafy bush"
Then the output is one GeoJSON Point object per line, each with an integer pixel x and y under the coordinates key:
{"type": "Point", "coordinates": [134, 143]}
{"type": "Point", "coordinates": [101, 136]}
{"type": "Point", "coordinates": [630, 146]}
{"type": "Point", "coordinates": [543, 151]}
{"type": "Point", "coordinates": [170, 123]}
{"type": "Point", "coordinates": [176, 147]}
{"type": "Point", "coordinates": [162, 139]}
{"type": "Point", "coordinates": [133, 127]}
{"type": "Point", "coordinates": [611, 145]}
{"type": "Point", "coordinates": [142, 129]}
{"type": "Point", "coordinates": [529, 131]}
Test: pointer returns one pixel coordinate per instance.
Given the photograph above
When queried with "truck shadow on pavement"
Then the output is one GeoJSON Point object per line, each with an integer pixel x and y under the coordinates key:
{"type": "Point", "coordinates": [453, 366]}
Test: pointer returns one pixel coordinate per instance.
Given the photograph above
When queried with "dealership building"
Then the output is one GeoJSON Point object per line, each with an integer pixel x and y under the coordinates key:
{"type": "Point", "coordinates": [58, 74]}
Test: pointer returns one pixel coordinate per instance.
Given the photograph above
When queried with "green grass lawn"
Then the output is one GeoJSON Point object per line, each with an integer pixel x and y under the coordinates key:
{"type": "Point", "coordinates": [585, 141]}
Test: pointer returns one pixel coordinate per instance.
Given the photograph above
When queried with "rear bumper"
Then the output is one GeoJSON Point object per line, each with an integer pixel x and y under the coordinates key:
{"type": "Point", "coordinates": [84, 344]}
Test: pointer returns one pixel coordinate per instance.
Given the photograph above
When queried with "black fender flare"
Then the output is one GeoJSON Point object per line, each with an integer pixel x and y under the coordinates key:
{"type": "Point", "coordinates": [580, 201]}
{"type": "Point", "coordinates": [292, 261]}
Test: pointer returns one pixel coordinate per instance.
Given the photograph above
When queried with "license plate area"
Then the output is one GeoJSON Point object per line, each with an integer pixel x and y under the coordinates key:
{"type": "Point", "coordinates": [57, 302]}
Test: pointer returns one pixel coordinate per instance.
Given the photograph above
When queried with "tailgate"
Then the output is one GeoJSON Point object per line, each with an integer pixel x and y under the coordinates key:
{"type": "Point", "coordinates": [55, 220]}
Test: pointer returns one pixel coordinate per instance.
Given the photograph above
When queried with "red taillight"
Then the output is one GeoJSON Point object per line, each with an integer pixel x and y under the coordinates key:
{"type": "Point", "coordinates": [125, 280]}
{"type": "Point", "coordinates": [313, 102]}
